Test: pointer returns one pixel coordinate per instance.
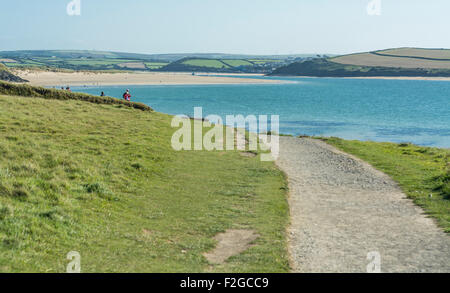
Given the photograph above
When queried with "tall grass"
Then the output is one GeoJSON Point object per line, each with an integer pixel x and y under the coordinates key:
{"type": "Point", "coordinates": [23, 90]}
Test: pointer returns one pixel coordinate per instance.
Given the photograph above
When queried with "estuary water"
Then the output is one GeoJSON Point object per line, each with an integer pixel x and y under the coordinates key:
{"type": "Point", "coordinates": [364, 109]}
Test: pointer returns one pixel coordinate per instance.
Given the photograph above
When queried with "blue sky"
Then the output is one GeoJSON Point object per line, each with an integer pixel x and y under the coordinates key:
{"type": "Point", "coordinates": [231, 26]}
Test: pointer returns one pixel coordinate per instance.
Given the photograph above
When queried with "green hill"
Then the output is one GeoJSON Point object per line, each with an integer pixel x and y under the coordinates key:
{"type": "Point", "coordinates": [102, 179]}
{"type": "Point", "coordinates": [411, 62]}
{"type": "Point", "coordinates": [96, 60]}
{"type": "Point", "coordinates": [224, 65]}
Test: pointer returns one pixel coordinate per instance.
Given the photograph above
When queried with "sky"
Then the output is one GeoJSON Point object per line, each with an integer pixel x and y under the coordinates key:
{"type": "Point", "coordinates": [225, 26]}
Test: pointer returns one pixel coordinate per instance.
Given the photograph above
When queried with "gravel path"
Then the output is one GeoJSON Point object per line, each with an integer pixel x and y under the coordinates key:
{"type": "Point", "coordinates": [342, 209]}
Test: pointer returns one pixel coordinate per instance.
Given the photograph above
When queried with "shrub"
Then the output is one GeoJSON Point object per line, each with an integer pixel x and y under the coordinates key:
{"type": "Point", "coordinates": [93, 188]}
{"type": "Point", "coordinates": [136, 166]}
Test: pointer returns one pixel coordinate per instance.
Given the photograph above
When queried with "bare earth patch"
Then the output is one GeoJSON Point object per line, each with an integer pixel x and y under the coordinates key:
{"type": "Point", "coordinates": [230, 243]}
{"type": "Point", "coordinates": [146, 232]}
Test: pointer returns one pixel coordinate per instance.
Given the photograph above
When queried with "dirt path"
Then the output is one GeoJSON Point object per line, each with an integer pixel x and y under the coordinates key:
{"type": "Point", "coordinates": [342, 209]}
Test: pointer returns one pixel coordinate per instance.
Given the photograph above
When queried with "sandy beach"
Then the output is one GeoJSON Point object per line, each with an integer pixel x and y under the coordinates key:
{"type": "Point", "coordinates": [48, 78]}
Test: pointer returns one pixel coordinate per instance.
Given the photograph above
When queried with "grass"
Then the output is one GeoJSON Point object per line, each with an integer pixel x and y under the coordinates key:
{"type": "Point", "coordinates": [237, 62]}
{"type": "Point", "coordinates": [206, 63]}
{"type": "Point", "coordinates": [99, 62]}
{"type": "Point", "coordinates": [96, 64]}
{"type": "Point", "coordinates": [417, 52]}
{"type": "Point", "coordinates": [396, 60]}
{"type": "Point", "coordinates": [103, 180]}
{"type": "Point", "coordinates": [30, 91]}
{"type": "Point", "coordinates": [105, 61]}
{"type": "Point", "coordinates": [420, 172]}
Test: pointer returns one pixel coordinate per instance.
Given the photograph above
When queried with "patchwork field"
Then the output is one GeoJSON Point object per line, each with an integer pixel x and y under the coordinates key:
{"type": "Point", "coordinates": [399, 58]}
{"type": "Point", "coordinates": [110, 61]}
{"type": "Point", "coordinates": [415, 52]}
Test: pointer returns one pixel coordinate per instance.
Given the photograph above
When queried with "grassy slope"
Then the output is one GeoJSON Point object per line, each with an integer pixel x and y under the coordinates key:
{"type": "Point", "coordinates": [375, 59]}
{"type": "Point", "coordinates": [420, 171]}
{"type": "Point", "coordinates": [221, 65]}
{"type": "Point", "coordinates": [325, 68]}
{"type": "Point", "coordinates": [104, 181]}
{"type": "Point", "coordinates": [24, 90]}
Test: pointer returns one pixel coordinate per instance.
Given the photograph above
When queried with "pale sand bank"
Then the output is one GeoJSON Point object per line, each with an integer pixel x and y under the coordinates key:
{"type": "Point", "coordinates": [378, 77]}
{"type": "Point", "coordinates": [405, 78]}
{"type": "Point", "coordinates": [47, 78]}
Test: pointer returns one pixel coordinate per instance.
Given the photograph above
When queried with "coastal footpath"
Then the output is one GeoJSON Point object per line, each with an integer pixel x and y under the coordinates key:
{"type": "Point", "coordinates": [342, 210]}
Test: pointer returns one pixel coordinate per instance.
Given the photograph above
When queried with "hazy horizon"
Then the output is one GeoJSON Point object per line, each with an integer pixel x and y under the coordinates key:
{"type": "Point", "coordinates": [263, 27]}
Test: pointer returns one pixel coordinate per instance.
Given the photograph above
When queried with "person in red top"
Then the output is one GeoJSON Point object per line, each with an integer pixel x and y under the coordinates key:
{"type": "Point", "coordinates": [127, 96]}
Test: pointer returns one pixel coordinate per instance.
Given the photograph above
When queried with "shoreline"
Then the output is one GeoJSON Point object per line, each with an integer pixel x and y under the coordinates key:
{"type": "Point", "coordinates": [75, 79]}
{"type": "Point", "coordinates": [371, 77]}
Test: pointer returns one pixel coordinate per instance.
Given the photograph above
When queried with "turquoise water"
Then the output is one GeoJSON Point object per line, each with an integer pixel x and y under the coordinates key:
{"type": "Point", "coordinates": [378, 110]}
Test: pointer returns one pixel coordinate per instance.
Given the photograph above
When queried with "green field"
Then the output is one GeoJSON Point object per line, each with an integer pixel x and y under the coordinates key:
{"type": "Point", "coordinates": [84, 63]}
{"type": "Point", "coordinates": [107, 61]}
{"type": "Point", "coordinates": [399, 58]}
{"type": "Point", "coordinates": [205, 63]}
{"type": "Point", "coordinates": [420, 172]}
{"type": "Point", "coordinates": [99, 62]}
{"type": "Point", "coordinates": [237, 62]}
{"type": "Point", "coordinates": [227, 63]}
{"type": "Point", "coordinates": [103, 180]}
